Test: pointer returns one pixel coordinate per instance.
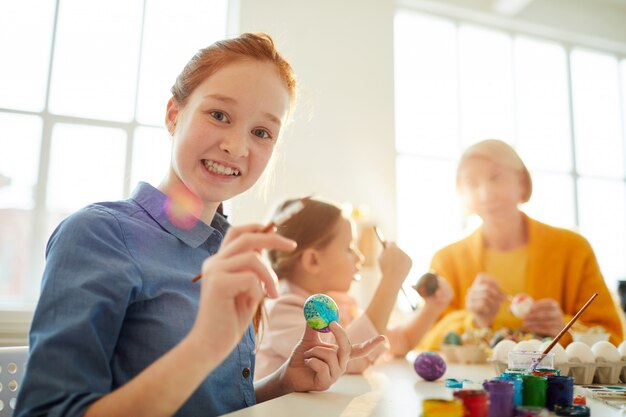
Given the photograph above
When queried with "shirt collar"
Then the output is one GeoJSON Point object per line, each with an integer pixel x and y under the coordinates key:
{"type": "Point", "coordinates": [153, 201]}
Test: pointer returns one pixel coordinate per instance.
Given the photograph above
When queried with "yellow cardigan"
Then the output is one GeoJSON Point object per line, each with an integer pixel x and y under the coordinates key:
{"type": "Point", "coordinates": [561, 266]}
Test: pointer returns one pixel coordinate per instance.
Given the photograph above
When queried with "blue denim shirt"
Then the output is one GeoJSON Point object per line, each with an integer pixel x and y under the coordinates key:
{"type": "Point", "coordinates": [117, 295]}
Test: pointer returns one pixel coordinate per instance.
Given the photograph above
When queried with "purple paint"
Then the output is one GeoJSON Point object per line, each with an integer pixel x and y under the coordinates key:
{"type": "Point", "coordinates": [500, 397]}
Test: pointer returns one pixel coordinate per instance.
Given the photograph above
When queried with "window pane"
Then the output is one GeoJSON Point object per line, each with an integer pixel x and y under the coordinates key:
{"type": "Point", "coordinates": [426, 85]}
{"type": "Point", "coordinates": [96, 57]}
{"type": "Point", "coordinates": [198, 23]}
{"type": "Point", "coordinates": [599, 149]}
{"type": "Point", "coordinates": [25, 39]}
{"type": "Point", "coordinates": [486, 87]}
{"type": "Point", "coordinates": [602, 221]}
{"type": "Point", "coordinates": [552, 200]}
{"type": "Point", "coordinates": [15, 232]}
{"type": "Point", "coordinates": [542, 105]}
{"type": "Point", "coordinates": [429, 211]}
{"type": "Point", "coordinates": [19, 160]}
{"type": "Point", "coordinates": [151, 155]}
{"type": "Point", "coordinates": [86, 165]}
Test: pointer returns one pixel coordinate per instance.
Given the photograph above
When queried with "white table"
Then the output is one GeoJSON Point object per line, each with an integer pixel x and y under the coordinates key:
{"type": "Point", "coordinates": [390, 389]}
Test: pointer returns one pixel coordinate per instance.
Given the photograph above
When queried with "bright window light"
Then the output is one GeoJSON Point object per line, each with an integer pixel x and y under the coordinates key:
{"type": "Point", "coordinates": [86, 166]}
{"type": "Point", "coordinates": [598, 124]}
{"type": "Point", "coordinates": [19, 167]}
{"type": "Point", "coordinates": [25, 40]}
{"type": "Point", "coordinates": [458, 83]}
{"type": "Point", "coordinates": [96, 56]}
{"type": "Point", "coordinates": [151, 155]}
{"type": "Point", "coordinates": [93, 130]}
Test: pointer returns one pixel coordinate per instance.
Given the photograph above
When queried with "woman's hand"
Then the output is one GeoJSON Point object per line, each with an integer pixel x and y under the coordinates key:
{"type": "Point", "coordinates": [315, 365]}
{"type": "Point", "coordinates": [545, 317]}
{"type": "Point", "coordinates": [483, 299]}
{"type": "Point", "coordinates": [234, 282]}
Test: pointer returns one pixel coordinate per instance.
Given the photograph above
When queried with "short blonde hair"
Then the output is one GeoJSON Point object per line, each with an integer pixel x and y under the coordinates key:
{"type": "Point", "coordinates": [501, 153]}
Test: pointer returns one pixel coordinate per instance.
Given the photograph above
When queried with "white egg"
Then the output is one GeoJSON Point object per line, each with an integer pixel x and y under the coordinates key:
{"type": "Point", "coordinates": [559, 351]}
{"type": "Point", "coordinates": [502, 349]}
{"type": "Point", "coordinates": [580, 352]}
{"type": "Point", "coordinates": [622, 349]}
{"type": "Point", "coordinates": [520, 305]}
{"type": "Point", "coordinates": [531, 345]}
{"type": "Point", "coordinates": [606, 351]}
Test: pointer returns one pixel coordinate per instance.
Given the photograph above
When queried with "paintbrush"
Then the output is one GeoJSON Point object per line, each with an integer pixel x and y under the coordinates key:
{"type": "Point", "coordinates": [280, 218]}
{"type": "Point", "coordinates": [562, 332]}
{"type": "Point", "coordinates": [381, 239]}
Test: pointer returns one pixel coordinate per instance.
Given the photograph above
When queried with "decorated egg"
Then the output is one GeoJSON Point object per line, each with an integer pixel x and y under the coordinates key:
{"type": "Point", "coordinates": [427, 284]}
{"type": "Point", "coordinates": [429, 365]}
{"type": "Point", "coordinates": [319, 311]}
{"type": "Point", "coordinates": [520, 305]}
{"type": "Point", "coordinates": [452, 338]}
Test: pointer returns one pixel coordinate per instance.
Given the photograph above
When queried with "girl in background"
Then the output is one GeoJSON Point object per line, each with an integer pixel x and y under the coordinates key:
{"type": "Point", "coordinates": [120, 329]}
{"type": "Point", "coordinates": [326, 261]}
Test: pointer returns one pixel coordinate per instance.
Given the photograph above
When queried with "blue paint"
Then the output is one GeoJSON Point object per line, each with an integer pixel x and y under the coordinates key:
{"type": "Point", "coordinates": [560, 391]}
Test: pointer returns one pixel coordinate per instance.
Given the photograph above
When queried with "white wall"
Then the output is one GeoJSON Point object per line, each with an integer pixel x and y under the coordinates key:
{"type": "Point", "coordinates": [340, 144]}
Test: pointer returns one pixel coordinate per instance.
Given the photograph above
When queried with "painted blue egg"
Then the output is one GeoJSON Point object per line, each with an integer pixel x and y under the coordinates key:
{"type": "Point", "coordinates": [319, 311]}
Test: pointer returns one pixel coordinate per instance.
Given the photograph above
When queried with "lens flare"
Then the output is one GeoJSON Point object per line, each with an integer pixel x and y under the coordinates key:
{"type": "Point", "coordinates": [183, 208]}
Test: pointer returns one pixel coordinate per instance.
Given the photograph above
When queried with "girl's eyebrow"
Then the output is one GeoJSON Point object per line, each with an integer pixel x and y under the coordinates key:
{"type": "Point", "coordinates": [230, 100]}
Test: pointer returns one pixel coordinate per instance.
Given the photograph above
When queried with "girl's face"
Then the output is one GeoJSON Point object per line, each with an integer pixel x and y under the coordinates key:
{"type": "Point", "coordinates": [340, 260]}
{"type": "Point", "coordinates": [225, 134]}
{"type": "Point", "coordinates": [489, 189]}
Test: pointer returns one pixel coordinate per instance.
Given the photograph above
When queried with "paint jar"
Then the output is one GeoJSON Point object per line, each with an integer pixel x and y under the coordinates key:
{"type": "Point", "coordinates": [534, 390]}
{"type": "Point", "coordinates": [518, 384]}
{"type": "Point", "coordinates": [526, 360]}
{"type": "Point", "coordinates": [546, 372]}
{"type": "Point", "coordinates": [475, 402]}
{"type": "Point", "coordinates": [560, 391]}
{"type": "Point", "coordinates": [500, 397]}
{"type": "Point", "coordinates": [442, 408]}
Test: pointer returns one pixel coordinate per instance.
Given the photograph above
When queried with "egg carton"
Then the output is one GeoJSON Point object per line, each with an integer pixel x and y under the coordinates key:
{"type": "Point", "coordinates": [584, 373]}
{"type": "Point", "coordinates": [465, 354]}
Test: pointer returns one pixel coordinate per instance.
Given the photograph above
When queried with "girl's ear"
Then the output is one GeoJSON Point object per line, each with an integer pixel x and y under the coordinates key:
{"type": "Point", "coordinates": [171, 115]}
{"type": "Point", "coordinates": [310, 260]}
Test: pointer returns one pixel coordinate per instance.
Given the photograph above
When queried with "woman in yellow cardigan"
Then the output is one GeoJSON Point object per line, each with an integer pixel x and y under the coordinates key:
{"type": "Point", "coordinates": [510, 253]}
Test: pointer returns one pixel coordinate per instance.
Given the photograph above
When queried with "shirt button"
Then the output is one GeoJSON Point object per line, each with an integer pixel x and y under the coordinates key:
{"type": "Point", "coordinates": [245, 372]}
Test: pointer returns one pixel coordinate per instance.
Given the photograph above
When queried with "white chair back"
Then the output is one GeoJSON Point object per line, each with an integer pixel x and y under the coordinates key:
{"type": "Point", "coordinates": [12, 364]}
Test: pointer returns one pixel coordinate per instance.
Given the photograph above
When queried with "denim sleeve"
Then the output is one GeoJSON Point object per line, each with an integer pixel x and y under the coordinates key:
{"type": "Point", "coordinates": [89, 280]}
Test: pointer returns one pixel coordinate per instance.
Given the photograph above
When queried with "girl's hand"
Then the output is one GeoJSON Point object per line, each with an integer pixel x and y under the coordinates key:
{"type": "Point", "coordinates": [545, 317]}
{"type": "Point", "coordinates": [394, 263]}
{"type": "Point", "coordinates": [315, 365]}
{"type": "Point", "coordinates": [438, 301]}
{"type": "Point", "coordinates": [483, 299]}
{"type": "Point", "coordinates": [234, 282]}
